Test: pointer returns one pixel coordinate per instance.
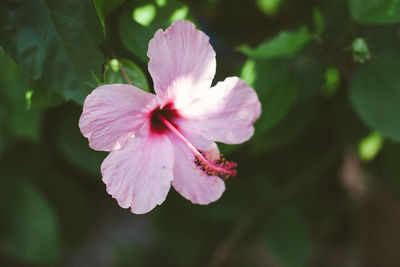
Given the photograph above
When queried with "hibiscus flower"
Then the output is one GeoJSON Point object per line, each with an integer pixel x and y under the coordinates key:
{"type": "Point", "coordinates": [168, 138]}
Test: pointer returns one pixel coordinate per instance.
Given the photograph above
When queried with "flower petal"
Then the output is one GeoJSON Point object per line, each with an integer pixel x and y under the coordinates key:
{"type": "Point", "coordinates": [112, 114]}
{"type": "Point", "coordinates": [225, 113]}
{"type": "Point", "coordinates": [181, 58]}
{"type": "Point", "coordinates": [140, 174]}
{"type": "Point", "coordinates": [193, 184]}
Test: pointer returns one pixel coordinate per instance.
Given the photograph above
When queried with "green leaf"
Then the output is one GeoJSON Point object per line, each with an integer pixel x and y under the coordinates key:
{"type": "Point", "coordinates": [276, 88]}
{"type": "Point", "coordinates": [22, 122]}
{"type": "Point", "coordinates": [334, 27]}
{"type": "Point", "coordinates": [40, 97]}
{"type": "Point", "coordinates": [286, 130]}
{"type": "Point", "coordinates": [113, 74]}
{"type": "Point", "coordinates": [3, 127]}
{"type": "Point", "coordinates": [70, 202]}
{"type": "Point", "coordinates": [135, 37]}
{"type": "Point", "coordinates": [29, 229]}
{"type": "Point", "coordinates": [146, 17]}
{"type": "Point", "coordinates": [369, 146]}
{"type": "Point", "coordinates": [104, 8]}
{"type": "Point", "coordinates": [73, 146]}
{"type": "Point", "coordinates": [285, 44]}
{"type": "Point", "coordinates": [391, 167]}
{"type": "Point", "coordinates": [319, 22]}
{"type": "Point", "coordinates": [55, 41]}
{"type": "Point", "coordinates": [287, 237]}
{"type": "Point", "coordinates": [375, 94]}
{"type": "Point", "coordinates": [375, 11]}
{"type": "Point", "coordinates": [345, 121]}
{"type": "Point", "coordinates": [309, 75]}
{"type": "Point", "coordinates": [128, 254]}
{"type": "Point", "coordinates": [360, 50]}
{"type": "Point", "coordinates": [332, 81]}
{"type": "Point", "coordinates": [269, 7]}
{"type": "Point", "coordinates": [60, 187]}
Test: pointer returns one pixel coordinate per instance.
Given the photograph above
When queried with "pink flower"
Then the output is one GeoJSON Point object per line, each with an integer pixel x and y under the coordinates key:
{"type": "Point", "coordinates": [168, 138]}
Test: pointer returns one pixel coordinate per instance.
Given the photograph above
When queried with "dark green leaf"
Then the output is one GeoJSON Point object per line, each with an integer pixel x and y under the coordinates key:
{"type": "Point", "coordinates": [55, 41]}
{"type": "Point", "coordinates": [334, 28]}
{"type": "Point", "coordinates": [113, 74]}
{"type": "Point", "coordinates": [287, 238]}
{"type": "Point", "coordinates": [70, 203]}
{"type": "Point", "coordinates": [375, 11]}
{"type": "Point", "coordinates": [285, 44]}
{"type": "Point", "coordinates": [63, 190]}
{"type": "Point", "coordinates": [375, 94]}
{"type": "Point", "coordinates": [391, 167]}
{"type": "Point", "coordinates": [15, 84]}
{"type": "Point", "coordinates": [276, 88]}
{"type": "Point", "coordinates": [104, 8]}
{"type": "Point", "coordinates": [40, 97]}
{"type": "Point", "coordinates": [73, 146]}
{"type": "Point", "coordinates": [128, 254]}
{"type": "Point", "coordinates": [3, 127]}
{"type": "Point", "coordinates": [29, 229]}
{"type": "Point", "coordinates": [286, 130]}
{"type": "Point", "coordinates": [135, 36]}
{"type": "Point", "coordinates": [146, 17]}
{"type": "Point", "coordinates": [345, 120]}
{"type": "Point", "coordinates": [309, 74]}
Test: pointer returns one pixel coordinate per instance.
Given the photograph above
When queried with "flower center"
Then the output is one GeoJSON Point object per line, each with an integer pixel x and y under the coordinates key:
{"type": "Point", "coordinates": [211, 166]}
{"type": "Point", "coordinates": [168, 112]}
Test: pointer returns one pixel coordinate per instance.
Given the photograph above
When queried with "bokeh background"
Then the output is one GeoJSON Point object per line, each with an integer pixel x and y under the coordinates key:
{"type": "Point", "coordinates": [317, 185]}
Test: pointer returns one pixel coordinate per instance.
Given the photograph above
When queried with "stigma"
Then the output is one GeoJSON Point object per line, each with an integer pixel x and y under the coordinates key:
{"type": "Point", "coordinates": [215, 166]}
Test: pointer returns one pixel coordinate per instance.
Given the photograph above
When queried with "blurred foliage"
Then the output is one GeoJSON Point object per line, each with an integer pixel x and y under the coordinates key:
{"type": "Point", "coordinates": [375, 11]}
{"type": "Point", "coordinates": [317, 185]}
{"type": "Point", "coordinates": [113, 74]}
{"type": "Point", "coordinates": [360, 50]}
{"type": "Point", "coordinates": [285, 44]}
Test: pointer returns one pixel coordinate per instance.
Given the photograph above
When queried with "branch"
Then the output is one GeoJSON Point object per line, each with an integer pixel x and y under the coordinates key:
{"type": "Point", "coordinates": [113, 55]}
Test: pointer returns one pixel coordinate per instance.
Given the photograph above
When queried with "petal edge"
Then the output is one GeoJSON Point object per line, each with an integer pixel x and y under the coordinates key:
{"type": "Point", "coordinates": [112, 114]}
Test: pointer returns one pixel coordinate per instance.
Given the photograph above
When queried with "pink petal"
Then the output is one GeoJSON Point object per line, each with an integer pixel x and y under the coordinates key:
{"type": "Point", "coordinates": [140, 174]}
{"type": "Point", "coordinates": [181, 59]}
{"type": "Point", "coordinates": [112, 114]}
{"type": "Point", "coordinates": [193, 184]}
{"type": "Point", "coordinates": [225, 113]}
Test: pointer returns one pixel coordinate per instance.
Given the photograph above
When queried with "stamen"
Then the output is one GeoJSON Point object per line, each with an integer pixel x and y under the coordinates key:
{"type": "Point", "coordinates": [217, 167]}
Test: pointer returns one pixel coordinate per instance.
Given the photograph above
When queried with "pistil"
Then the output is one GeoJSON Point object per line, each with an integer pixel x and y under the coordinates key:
{"type": "Point", "coordinates": [219, 167]}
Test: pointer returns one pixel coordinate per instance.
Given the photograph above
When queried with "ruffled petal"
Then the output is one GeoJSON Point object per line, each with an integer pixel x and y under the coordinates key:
{"type": "Point", "coordinates": [191, 182]}
{"type": "Point", "coordinates": [112, 114]}
{"type": "Point", "coordinates": [225, 113]}
{"type": "Point", "coordinates": [139, 175]}
{"type": "Point", "coordinates": [181, 59]}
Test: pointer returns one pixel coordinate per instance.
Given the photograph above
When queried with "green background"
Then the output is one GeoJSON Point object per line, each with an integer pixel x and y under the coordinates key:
{"type": "Point", "coordinates": [317, 185]}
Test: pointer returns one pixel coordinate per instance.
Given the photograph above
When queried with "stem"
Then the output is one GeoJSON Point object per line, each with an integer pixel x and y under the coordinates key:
{"type": "Point", "coordinates": [124, 74]}
{"type": "Point", "coordinates": [119, 64]}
